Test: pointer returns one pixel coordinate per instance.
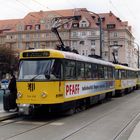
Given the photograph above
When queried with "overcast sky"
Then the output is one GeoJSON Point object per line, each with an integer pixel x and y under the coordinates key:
{"type": "Point", "coordinates": [126, 10]}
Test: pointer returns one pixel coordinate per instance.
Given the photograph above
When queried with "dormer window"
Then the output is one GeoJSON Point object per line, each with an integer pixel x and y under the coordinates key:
{"type": "Point", "coordinates": [83, 24]}
{"type": "Point", "coordinates": [20, 27]}
{"type": "Point", "coordinates": [37, 27]}
{"type": "Point", "coordinates": [111, 26]}
{"type": "Point", "coordinates": [75, 25]}
{"type": "Point", "coordinates": [28, 27]}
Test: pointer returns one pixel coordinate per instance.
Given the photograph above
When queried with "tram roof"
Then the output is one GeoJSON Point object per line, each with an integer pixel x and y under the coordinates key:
{"type": "Point", "coordinates": [68, 55]}
{"type": "Point", "coordinates": [118, 66]}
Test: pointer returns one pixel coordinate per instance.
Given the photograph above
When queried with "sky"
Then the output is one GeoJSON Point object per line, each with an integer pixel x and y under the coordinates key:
{"type": "Point", "coordinates": [126, 10]}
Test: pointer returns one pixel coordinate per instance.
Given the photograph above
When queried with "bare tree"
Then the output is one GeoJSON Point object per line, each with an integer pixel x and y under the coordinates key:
{"type": "Point", "coordinates": [8, 60]}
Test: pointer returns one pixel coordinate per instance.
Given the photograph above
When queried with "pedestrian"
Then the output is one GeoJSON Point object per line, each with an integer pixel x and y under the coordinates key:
{"type": "Point", "coordinates": [13, 92]}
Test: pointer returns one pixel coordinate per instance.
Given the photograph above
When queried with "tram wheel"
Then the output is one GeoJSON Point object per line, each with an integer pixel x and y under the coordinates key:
{"type": "Point", "coordinates": [71, 111]}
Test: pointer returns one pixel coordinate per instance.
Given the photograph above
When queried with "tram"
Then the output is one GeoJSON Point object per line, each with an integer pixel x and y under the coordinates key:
{"type": "Point", "coordinates": [138, 78]}
{"type": "Point", "coordinates": [62, 81]}
{"type": "Point", "coordinates": [125, 79]}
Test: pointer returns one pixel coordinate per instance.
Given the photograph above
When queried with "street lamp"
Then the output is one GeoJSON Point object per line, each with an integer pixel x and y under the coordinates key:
{"type": "Point", "coordinates": [115, 50]}
{"type": "Point", "coordinates": [100, 28]}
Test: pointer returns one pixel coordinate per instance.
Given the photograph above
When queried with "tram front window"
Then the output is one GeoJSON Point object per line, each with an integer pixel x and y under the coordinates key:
{"type": "Point", "coordinates": [41, 69]}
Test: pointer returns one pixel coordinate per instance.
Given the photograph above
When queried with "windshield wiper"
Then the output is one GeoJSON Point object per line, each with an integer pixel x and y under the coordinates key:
{"type": "Point", "coordinates": [32, 79]}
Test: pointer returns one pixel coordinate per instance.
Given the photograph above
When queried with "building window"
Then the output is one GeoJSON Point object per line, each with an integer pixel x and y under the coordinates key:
{"type": "Point", "coordinates": [83, 53]}
{"type": "Point", "coordinates": [74, 43]}
{"type": "Point", "coordinates": [93, 42]}
{"type": "Point", "coordinates": [81, 42]}
{"type": "Point", "coordinates": [106, 53]}
{"type": "Point", "coordinates": [86, 52]}
{"type": "Point", "coordinates": [27, 36]}
{"type": "Point", "coordinates": [19, 37]}
{"type": "Point", "coordinates": [27, 45]}
{"type": "Point", "coordinates": [115, 42]}
{"type": "Point", "coordinates": [115, 34]}
{"type": "Point", "coordinates": [19, 45]}
{"type": "Point", "coordinates": [93, 33]}
{"type": "Point", "coordinates": [20, 27]}
{"type": "Point", "coordinates": [83, 33]}
{"type": "Point", "coordinates": [36, 45]}
{"type": "Point", "coordinates": [74, 34]}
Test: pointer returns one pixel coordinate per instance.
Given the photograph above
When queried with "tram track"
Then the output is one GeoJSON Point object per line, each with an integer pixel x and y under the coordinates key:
{"type": "Point", "coordinates": [54, 120]}
{"type": "Point", "coordinates": [20, 121]}
{"type": "Point", "coordinates": [119, 133]}
{"type": "Point", "coordinates": [126, 127]}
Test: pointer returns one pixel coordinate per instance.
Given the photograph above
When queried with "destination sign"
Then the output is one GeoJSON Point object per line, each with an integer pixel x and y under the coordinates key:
{"type": "Point", "coordinates": [36, 54]}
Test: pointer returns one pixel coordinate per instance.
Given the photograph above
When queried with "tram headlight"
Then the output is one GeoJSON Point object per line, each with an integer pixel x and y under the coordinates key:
{"type": "Point", "coordinates": [19, 95]}
{"type": "Point", "coordinates": [43, 94]}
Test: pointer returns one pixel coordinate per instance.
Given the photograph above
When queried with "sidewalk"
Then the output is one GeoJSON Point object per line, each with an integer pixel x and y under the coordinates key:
{"type": "Point", "coordinates": [135, 135]}
{"type": "Point", "coordinates": [6, 115]}
{"type": "Point", "coordinates": [3, 114]}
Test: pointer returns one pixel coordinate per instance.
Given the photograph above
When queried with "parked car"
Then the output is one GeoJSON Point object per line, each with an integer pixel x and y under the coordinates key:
{"type": "Point", "coordinates": [4, 84]}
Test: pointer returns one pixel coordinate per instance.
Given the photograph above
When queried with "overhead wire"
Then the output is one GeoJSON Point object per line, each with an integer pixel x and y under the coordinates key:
{"type": "Point", "coordinates": [120, 14]}
{"type": "Point", "coordinates": [54, 10]}
{"type": "Point", "coordinates": [47, 7]}
{"type": "Point", "coordinates": [24, 5]}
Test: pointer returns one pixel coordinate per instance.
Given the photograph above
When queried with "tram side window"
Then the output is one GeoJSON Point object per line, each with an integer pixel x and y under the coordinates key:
{"type": "Point", "coordinates": [110, 72]}
{"type": "Point", "coordinates": [69, 69]}
{"type": "Point", "coordinates": [106, 73]}
{"type": "Point", "coordinates": [123, 74]}
{"type": "Point", "coordinates": [138, 74]}
{"type": "Point", "coordinates": [56, 70]}
{"type": "Point", "coordinates": [133, 74]}
{"type": "Point", "coordinates": [80, 70]}
{"type": "Point", "coordinates": [129, 74]}
{"type": "Point", "coordinates": [101, 71]}
{"type": "Point", "coordinates": [95, 71]}
{"type": "Point", "coordinates": [117, 74]}
{"type": "Point", "coordinates": [88, 71]}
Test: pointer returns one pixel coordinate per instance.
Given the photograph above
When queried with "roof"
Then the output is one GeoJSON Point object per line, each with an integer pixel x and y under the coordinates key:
{"type": "Point", "coordinates": [8, 24]}
{"type": "Point", "coordinates": [117, 66]}
{"type": "Point", "coordinates": [110, 18]}
{"type": "Point", "coordinates": [43, 17]}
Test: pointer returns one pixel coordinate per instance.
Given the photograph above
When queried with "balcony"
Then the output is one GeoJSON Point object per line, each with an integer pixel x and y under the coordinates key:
{"type": "Point", "coordinates": [13, 40]}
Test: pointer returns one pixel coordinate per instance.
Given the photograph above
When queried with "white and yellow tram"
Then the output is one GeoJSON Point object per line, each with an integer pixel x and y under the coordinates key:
{"type": "Point", "coordinates": [125, 79]}
{"type": "Point", "coordinates": [61, 81]}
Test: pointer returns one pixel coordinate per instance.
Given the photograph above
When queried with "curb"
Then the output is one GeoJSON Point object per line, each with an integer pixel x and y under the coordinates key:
{"type": "Point", "coordinates": [8, 115]}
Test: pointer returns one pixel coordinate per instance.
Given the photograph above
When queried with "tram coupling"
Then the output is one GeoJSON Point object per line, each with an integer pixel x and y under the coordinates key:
{"type": "Point", "coordinates": [25, 109]}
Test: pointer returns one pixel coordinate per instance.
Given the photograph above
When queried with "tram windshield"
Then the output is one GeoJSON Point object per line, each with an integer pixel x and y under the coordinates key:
{"type": "Point", "coordinates": [40, 69]}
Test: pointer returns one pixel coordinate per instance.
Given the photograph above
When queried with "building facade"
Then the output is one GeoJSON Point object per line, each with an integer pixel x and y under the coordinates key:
{"type": "Point", "coordinates": [83, 34]}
